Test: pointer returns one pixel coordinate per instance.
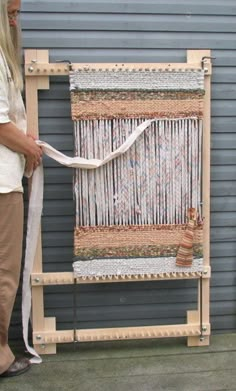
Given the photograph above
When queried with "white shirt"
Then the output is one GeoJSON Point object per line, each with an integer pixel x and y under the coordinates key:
{"type": "Point", "coordinates": [12, 109]}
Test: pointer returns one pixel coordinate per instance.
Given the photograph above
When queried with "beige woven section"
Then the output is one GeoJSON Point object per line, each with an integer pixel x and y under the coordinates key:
{"type": "Point", "coordinates": [108, 109]}
{"type": "Point", "coordinates": [161, 240]}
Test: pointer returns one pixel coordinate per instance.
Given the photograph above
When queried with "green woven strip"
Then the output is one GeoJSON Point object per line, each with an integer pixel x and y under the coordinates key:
{"type": "Point", "coordinates": [135, 251]}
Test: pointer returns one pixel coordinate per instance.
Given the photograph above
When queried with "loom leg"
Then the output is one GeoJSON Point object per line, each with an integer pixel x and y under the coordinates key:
{"type": "Point", "coordinates": [47, 348]}
{"type": "Point", "coordinates": [193, 317]}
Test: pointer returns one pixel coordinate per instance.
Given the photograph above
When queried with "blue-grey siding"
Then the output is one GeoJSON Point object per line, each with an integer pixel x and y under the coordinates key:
{"type": "Point", "coordinates": [136, 31]}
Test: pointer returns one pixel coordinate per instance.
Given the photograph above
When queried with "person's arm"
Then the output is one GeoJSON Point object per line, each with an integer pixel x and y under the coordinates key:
{"type": "Point", "coordinates": [16, 140]}
{"type": "Point", "coordinates": [10, 135]}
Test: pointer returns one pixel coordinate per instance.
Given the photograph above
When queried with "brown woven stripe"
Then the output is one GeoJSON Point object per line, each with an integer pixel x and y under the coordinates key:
{"type": "Point", "coordinates": [120, 240]}
{"type": "Point", "coordinates": [78, 96]}
{"type": "Point", "coordinates": [109, 109]}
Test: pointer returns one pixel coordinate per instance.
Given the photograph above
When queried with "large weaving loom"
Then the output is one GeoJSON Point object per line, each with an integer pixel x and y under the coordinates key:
{"type": "Point", "coordinates": [140, 216]}
{"type": "Point", "coordinates": [133, 213]}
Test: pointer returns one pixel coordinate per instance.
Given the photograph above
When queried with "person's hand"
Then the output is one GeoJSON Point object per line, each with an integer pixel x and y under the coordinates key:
{"type": "Point", "coordinates": [33, 156]}
{"type": "Point", "coordinates": [31, 136]}
{"type": "Point", "coordinates": [30, 166]}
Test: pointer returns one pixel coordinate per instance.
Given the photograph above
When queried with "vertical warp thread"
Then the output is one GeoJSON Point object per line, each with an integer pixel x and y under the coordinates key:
{"type": "Point", "coordinates": [155, 182]}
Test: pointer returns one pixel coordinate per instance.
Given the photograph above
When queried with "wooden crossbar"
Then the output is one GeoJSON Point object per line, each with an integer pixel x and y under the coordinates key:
{"type": "Point", "coordinates": [34, 68]}
{"type": "Point", "coordinates": [63, 278]}
{"type": "Point", "coordinates": [121, 333]}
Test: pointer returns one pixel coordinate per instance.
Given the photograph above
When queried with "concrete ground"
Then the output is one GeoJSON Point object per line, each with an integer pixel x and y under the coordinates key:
{"type": "Point", "coordinates": [147, 365]}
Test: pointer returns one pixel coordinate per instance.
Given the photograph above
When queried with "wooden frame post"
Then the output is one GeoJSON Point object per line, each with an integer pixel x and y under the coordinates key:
{"type": "Point", "coordinates": [32, 85]}
{"type": "Point", "coordinates": [204, 57]}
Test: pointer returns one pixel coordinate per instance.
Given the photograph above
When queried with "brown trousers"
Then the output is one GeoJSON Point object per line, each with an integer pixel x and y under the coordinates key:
{"type": "Point", "coordinates": [11, 236]}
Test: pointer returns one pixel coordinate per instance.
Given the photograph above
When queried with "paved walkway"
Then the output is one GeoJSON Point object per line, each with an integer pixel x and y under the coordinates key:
{"type": "Point", "coordinates": [147, 365]}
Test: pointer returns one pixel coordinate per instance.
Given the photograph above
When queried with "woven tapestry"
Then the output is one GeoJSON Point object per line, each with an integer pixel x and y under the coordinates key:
{"type": "Point", "coordinates": [141, 212]}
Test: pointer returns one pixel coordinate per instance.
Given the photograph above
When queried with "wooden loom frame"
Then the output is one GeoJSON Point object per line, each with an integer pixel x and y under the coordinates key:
{"type": "Point", "coordinates": [197, 329]}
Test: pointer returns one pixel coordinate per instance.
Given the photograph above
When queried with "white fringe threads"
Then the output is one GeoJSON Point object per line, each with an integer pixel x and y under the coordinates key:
{"type": "Point", "coordinates": [155, 182]}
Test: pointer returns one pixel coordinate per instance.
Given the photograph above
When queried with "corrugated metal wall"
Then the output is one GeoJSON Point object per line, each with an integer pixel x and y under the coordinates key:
{"type": "Point", "coordinates": [136, 31]}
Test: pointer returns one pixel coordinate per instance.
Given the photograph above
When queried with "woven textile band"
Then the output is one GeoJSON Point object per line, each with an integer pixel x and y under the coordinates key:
{"type": "Point", "coordinates": [132, 267]}
{"type": "Point", "coordinates": [98, 95]}
{"type": "Point", "coordinates": [133, 241]}
{"type": "Point", "coordinates": [136, 94]}
{"type": "Point", "coordinates": [171, 80]}
{"type": "Point", "coordinates": [109, 109]}
{"type": "Point", "coordinates": [157, 180]}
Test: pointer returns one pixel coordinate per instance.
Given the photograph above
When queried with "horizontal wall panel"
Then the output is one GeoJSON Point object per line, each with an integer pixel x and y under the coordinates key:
{"type": "Point", "coordinates": [223, 156]}
{"type": "Point", "coordinates": [225, 141]}
{"type": "Point", "coordinates": [160, 314]}
{"type": "Point", "coordinates": [133, 311]}
{"type": "Point", "coordinates": [53, 224]}
{"type": "Point", "coordinates": [118, 40]}
{"type": "Point", "coordinates": [222, 250]}
{"type": "Point", "coordinates": [119, 288]}
{"type": "Point", "coordinates": [134, 7]}
{"type": "Point", "coordinates": [79, 54]}
{"type": "Point", "coordinates": [224, 324]}
{"type": "Point", "coordinates": [223, 234]}
{"type": "Point", "coordinates": [49, 126]}
{"type": "Point", "coordinates": [224, 91]}
{"type": "Point", "coordinates": [61, 207]}
{"type": "Point", "coordinates": [223, 264]}
{"type": "Point", "coordinates": [135, 297]}
{"type": "Point", "coordinates": [226, 219]}
{"type": "Point", "coordinates": [135, 22]}
{"type": "Point", "coordinates": [228, 189]}
{"type": "Point", "coordinates": [223, 124]}
{"type": "Point", "coordinates": [222, 58]}
{"type": "Point", "coordinates": [222, 204]}
{"type": "Point", "coordinates": [223, 108]}
{"type": "Point", "coordinates": [125, 298]}
{"type": "Point", "coordinates": [59, 175]}
{"type": "Point", "coordinates": [58, 192]}
{"type": "Point", "coordinates": [223, 173]}
{"type": "Point", "coordinates": [118, 313]}
{"type": "Point", "coordinates": [223, 75]}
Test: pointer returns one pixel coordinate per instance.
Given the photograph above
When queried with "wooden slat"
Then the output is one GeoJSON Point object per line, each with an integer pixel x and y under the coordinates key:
{"type": "Point", "coordinates": [112, 334]}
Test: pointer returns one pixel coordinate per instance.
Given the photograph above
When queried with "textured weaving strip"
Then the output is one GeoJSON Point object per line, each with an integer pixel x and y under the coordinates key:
{"type": "Point", "coordinates": [137, 205]}
{"type": "Point", "coordinates": [120, 241]}
{"type": "Point", "coordinates": [131, 251]}
{"type": "Point", "coordinates": [131, 267]}
{"type": "Point", "coordinates": [108, 109]}
{"type": "Point", "coordinates": [98, 95]}
{"type": "Point", "coordinates": [169, 80]}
